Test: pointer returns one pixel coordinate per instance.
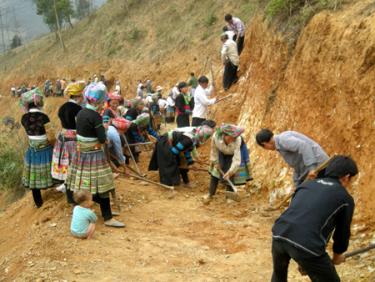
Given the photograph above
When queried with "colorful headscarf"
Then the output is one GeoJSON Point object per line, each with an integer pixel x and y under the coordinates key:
{"type": "Point", "coordinates": [34, 96]}
{"type": "Point", "coordinates": [96, 92]}
{"type": "Point", "coordinates": [202, 133]}
{"type": "Point", "coordinates": [142, 120]}
{"type": "Point", "coordinates": [75, 88]}
{"type": "Point", "coordinates": [114, 96]}
{"type": "Point", "coordinates": [121, 123]}
{"type": "Point", "coordinates": [229, 129]}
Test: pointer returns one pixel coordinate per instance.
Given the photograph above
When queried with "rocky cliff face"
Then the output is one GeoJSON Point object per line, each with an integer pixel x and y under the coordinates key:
{"type": "Point", "coordinates": [323, 88]}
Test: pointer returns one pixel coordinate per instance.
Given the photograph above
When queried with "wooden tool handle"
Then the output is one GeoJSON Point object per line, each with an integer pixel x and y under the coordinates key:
{"type": "Point", "coordinates": [360, 251]}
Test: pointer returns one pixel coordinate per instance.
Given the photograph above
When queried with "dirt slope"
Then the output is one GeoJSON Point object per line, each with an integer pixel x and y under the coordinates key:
{"type": "Point", "coordinates": [323, 88]}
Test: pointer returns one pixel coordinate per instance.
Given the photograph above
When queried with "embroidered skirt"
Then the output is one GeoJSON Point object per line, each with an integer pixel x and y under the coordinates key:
{"type": "Point", "coordinates": [37, 165]}
{"type": "Point", "coordinates": [89, 170]}
{"type": "Point", "coordinates": [243, 173]}
{"type": "Point", "coordinates": [65, 148]}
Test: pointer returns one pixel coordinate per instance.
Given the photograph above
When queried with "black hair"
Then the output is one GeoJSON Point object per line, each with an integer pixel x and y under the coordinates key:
{"type": "Point", "coordinates": [181, 85]}
{"type": "Point", "coordinates": [263, 136]}
{"type": "Point", "coordinates": [340, 166]}
{"type": "Point", "coordinates": [31, 105]}
{"type": "Point", "coordinates": [209, 123]}
{"type": "Point", "coordinates": [228, 17]}
{"type": "Point", "coordinates": [192, 74]}
{"type": "Point", "coordinates": [224, 36]}
{"type": "Point", "coordinates": [225, 28]}
{"type": "Point", "coordinates": [203, 79]}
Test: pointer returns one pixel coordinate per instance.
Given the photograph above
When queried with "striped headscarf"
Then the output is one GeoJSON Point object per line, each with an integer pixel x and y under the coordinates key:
{"type": "Point", "coordinates": [229, 129]}
{"type": "Point", "coordinates": [34, 96]}
{"type": "Point", "coordinates": [96, 93]}
{"type": "Point", "coordinates": [75, 88]}
{"type": "Point", "coordinates": [142, 120]}
{"type": "Point", "coordinates": [202, 133]}
{"type": "Point", "coordinates": [121, 123]}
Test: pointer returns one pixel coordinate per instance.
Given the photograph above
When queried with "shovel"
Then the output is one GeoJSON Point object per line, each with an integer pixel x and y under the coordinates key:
{"type": "Point", "coordinates": [229, 194]}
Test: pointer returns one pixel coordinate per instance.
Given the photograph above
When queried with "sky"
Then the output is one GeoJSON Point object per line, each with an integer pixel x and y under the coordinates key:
{"type": "Point", "coordinates": [19, 16]}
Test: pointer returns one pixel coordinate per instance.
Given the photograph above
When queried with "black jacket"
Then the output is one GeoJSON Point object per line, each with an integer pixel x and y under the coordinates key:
{"type": "Point", "coordinates": [318, 208]}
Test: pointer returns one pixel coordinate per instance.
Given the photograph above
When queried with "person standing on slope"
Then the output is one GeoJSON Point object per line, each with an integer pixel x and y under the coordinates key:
{"type": "Point", "coordinates": [37, 162]}
{"type": "Point", "coordinates": [66, 143]}
{"type": "Point", "coordinates": [89, 169]}
{"type": "Point", "coordinates": [183, 105]}
{"type": "Point", "coordinates": [230, 60]}
{"type": "Point", "coordinates": [201, 101]}
{"type": "Point", "coordinates": [238, 27]}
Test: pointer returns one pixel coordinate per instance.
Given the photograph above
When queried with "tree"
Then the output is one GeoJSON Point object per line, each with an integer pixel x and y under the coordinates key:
{"type": "Point", "coordinates": [46, 8]}
{"type": "Point", "coordinates": [83, 8]}
{"type": "Point", "coordinates": [16, 42]}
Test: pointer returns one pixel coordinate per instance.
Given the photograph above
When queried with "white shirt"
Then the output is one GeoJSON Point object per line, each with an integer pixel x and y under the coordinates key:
{"type": "Point", "coordinates": [170, 101]}
{"type": "Point", "coordinates": [175, 92]}
{"type": "Point", "coordinates": [230, 52]}
{"type": "Point", "coordinates": [163, 104]}
{"type": "Point", "coordinates": [201, 102]}
{"type": "Point", "coordinates": [230, 34]}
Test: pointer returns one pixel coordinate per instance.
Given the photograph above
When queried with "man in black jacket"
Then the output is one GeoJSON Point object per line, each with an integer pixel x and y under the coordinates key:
{"type": "Point", "coordinates": [319, 208]}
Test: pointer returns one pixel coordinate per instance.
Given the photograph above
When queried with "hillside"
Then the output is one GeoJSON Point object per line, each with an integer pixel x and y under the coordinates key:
{"type": "Point", "coordinates": [321, 85]}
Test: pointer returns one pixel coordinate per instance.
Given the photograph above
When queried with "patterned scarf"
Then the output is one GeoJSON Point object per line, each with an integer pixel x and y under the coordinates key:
{"type": "Point", "coordinates": [34, 96]}
{"type": "Point", "coordinates": [142, 120]}
{"type": "Point", "coordinates": [96, 93]}
{"type": "Point", "coordinates": [229, 129]}
{"type": "Point", "coordinates": [202, 133]}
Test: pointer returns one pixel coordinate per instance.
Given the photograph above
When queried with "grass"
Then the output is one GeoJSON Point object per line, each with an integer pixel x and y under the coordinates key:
{"type": "Point", "coordinates": [11, 163]}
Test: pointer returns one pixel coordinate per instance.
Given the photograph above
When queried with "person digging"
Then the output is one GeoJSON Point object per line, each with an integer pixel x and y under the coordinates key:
{"type": "Point", "coordinates": [229, 161]}
{"type": "Point", "coordinates": [319, 208]}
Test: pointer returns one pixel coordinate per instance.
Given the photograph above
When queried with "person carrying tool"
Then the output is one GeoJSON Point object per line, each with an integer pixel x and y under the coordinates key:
{"type": "Point", "coordinates": [229, 154]}
{"type": "Point", "coordinates": [172, 154]}
{"type": "Point", "coordinates": [139, 132]}
{"type": "Point", "coordinates": [201, 101]}
{"type": "Point", "coordinates": [300, 152]}
{"type": "Point", "coordinates": [319, 208]}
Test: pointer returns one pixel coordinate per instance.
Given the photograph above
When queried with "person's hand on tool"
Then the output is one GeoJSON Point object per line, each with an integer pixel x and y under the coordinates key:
{"type": "Point", "coordinates": [301, 271]}
{"type": "Point", "coordinates": [227, 175]}
{"type": "Point", "coordinates": [338, 258]}
{"type": "Point", "coordinates": [312, 175]}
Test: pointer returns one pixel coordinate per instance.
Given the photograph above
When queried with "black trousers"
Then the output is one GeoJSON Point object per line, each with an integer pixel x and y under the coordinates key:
{"type": "Point", "coordinates": [240, 43]}
{"type": "Point", "coordinates": [37, 196]}
{"type": "Point", "coordinates": [104, 202]}
{"type": "Point", "coordinates": [319, 269]}
{"type": "Point", "coordinates": [183, 120]}
{"type": "Point", "coordinates": [213, 186]}
{"type": "Point", "coordinates": [185, 176]}
{"type": "Point", "coordinates": [197, 121]}
{"type": "Point", "coordinates": [230, 75]}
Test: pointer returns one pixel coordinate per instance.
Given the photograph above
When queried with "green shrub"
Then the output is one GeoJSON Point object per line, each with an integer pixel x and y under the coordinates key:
{"type": "Point", "coordinates": [211, 19]}
{"type": "Point", "coordinates": [11, 163]}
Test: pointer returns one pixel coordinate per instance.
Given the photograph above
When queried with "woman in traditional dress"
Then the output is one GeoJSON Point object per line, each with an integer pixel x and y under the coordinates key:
{"type": "Point", "coordinates": [66, 144]}
{"type": "Point", "coordinates": [229, 154]}
{"type": "Point", "coordinates": [135, 110]}
{"type": "Point", "coordinates": [138, 132]}
{"type": "Point", "coordinates": [112, 111]}
{"type": "Point", "coordinates": [90, 169]}
{"type": "Point", "coordinates": [172, 154]}
{"type": "Point", "coordinates": [37, 161]}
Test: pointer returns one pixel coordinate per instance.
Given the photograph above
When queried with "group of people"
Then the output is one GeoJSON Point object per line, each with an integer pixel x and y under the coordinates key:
{"type": "Point", "coordinates": [99, 129]}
